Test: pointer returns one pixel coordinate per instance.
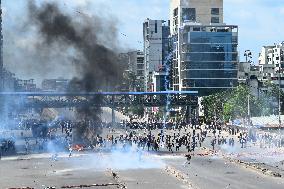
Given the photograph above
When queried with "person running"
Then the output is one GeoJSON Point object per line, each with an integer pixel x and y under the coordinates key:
{"type": "Point", "coordinates": [188, 159]}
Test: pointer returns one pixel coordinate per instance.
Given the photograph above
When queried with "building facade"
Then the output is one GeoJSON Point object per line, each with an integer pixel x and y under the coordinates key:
{"type": "Point", "coordinates": [134, 71]}
{"type": "Point", "coordinates": [136, 63]}
{"type": "Point", "coordinates": [52, 85]}
{"type": "Point", "coordinates": [9, 81]}
{"type": "Point", "coordinates": [205, 54]}
{"type": "Point", "coordinates": [196, 11]}
{"type": "Point", "coordinates": [1, 51]}
{"type": "Point", "coordinates": [271, 66]}
{"type": "Point", "coordinates": [250, 75]}
{"type": "Point", "coordinates": [270, 70]}
{"type": "Point", "coordinates": [271, 61]}
{"type": "Point", "coordinates": [156, 48]}
{"type": "Point", "coordinates": [25, 85]}
{"type": "Point", "coordinates": [159, 81]}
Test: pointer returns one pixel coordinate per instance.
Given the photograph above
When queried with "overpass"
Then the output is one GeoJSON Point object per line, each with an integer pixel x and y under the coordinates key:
{"type": "Point", "coordinates": [41, 100]}
{"type": "Point", "coordinates": [100, 99]}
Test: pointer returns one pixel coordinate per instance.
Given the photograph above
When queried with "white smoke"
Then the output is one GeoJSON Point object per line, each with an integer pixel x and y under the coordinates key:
{"type": "Point", "coordinates": [127, 158]}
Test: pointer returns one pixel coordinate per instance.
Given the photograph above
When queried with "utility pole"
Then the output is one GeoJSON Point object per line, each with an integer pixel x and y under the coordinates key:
{"type": "Point", "coordinates": [248, 55]}
{"type": "Point", "coordinates": [279, 103]}
{"type": "Point", "coordinates": [249, 110]}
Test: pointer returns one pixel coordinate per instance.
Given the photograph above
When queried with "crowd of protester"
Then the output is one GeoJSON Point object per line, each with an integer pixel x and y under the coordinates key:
{"type": "Point", "coordinates": [7, 147]}
{"type": "Point", "coordinates": [149, 136]}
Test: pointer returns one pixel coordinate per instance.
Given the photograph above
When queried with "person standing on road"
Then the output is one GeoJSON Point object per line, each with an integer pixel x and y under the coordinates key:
{"type": "Point", "coordinates": [188, 158]}
{"type": "Point", "coordinates": [213, 142]}
{"type": "Point", "coordinates": [27, 146]}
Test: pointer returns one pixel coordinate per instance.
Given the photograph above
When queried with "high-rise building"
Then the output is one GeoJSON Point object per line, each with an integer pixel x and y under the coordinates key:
{"type": "Point", "coordinates": [134, 70]}
{"type": "Point", "coordinates": [205, 56]}
{"type": "Point", "coordinates": [196, 11]}
{"type": "Point", "coordinates": [271, 60]}
{"type": "Point", "coordinates": [271, 63]}
{"type": "Point", "coordinates": [136, 63]}
{"type": "Point", "coordinates": [269, 71]}
{"type": "Point", "coordinates": [156, 47]}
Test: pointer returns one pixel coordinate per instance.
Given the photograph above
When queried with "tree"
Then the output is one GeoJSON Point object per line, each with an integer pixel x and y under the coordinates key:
{"type": "Point", "coordinates": [214, 106]}
{"type": "Point", "coordinates": [273, 96]}
{"type": "Point", "coordinates": [237, 104]}
{"type": "Point", "coordinates": [231, 104]}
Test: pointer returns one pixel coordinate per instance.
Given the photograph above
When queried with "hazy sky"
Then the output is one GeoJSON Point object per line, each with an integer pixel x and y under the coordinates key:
{"type": "Point", "coordinates": [260, 21]}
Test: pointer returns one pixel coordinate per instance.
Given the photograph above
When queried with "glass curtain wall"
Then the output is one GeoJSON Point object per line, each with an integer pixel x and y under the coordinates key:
{"type": "Point", "coordinates": [209, 59]}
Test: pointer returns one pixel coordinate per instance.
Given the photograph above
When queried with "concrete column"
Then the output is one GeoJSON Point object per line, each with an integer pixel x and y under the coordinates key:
{"type": "Point", "coordinates": [113, 116]}
{"type": "Point", "coordinates": [189, 116]}
{"type": "Point", "coordinates": [113, 112]}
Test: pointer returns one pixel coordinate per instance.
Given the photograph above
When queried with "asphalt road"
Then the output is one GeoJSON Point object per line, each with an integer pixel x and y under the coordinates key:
{"type": "Point", "coordinates": [40, 172]}
{"type": "Point", "coordinates": [150, 179]}
{"type": "Point", "coordinates": [208, 172]}
{"type": "Point", "coordinates": [217, 173]}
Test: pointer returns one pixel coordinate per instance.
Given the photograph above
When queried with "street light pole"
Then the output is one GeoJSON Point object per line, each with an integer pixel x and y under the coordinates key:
{"type": "Point", "coordinates": [248, 110]}
{"type": "Point", "coordinates": [279, 103]}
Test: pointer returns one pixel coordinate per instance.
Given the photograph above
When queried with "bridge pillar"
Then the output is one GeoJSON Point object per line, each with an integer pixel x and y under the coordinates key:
{"type": "Point", "coordinates": [189, 114]}
{"type": "Point", "coordinates": [112, 113]}
{"type": "Point", "coordinates": [112, 116]}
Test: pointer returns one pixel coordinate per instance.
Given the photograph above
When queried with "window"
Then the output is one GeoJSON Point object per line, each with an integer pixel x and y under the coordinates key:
{"type": "Point", "coordinates": [196, 28]}
{"type": "Point", "coordinates": [156, 26]}
{"type": "Point", "coordinates": [176, 12]}
{"type": "Point", "coordinates": [215, 20]}
{"type": "Point", "coordinates": [215, 11]}
{"type": "Point", "coordinates": [189, 14]}
{"type": "Point", "coordinates": [140, 66]}
{"type": "Point", "coordinates": [140, 72]}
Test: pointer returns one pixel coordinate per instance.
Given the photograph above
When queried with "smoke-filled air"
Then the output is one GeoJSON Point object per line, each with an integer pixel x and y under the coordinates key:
{"type": "Point", "coordinates": [83, 39]}
{"type": "Point", "coordinates": [140, 94]}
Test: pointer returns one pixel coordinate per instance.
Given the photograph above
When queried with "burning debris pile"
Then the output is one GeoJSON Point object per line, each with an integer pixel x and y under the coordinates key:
{"type": "Point", "coordinates": [85, 132]}
{"type": "Point", "coordinates": [87, 42]}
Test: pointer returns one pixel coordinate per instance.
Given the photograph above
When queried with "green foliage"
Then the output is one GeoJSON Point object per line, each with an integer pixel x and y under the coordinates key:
{"type": "Point", "coordinates": [213, 105]}
{"type": "Point", "coordinates": [234, 104]}
{"type": "Point", "coordinates": [237, 104]}
{"type": "Point", "coordinates": [274, 90]}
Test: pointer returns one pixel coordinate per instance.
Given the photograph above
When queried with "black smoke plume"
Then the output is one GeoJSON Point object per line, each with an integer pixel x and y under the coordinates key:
{"type": "Point", "coordinates": [97, 64]}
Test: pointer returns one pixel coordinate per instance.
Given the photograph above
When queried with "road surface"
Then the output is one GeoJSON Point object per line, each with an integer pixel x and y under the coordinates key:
{"type": "Point", "coordinates": [217, 173]}
{"type": "Point", "coordinates": [39, 171]}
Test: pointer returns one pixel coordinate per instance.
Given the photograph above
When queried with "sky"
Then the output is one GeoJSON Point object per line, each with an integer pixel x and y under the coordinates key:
{"type": "Point", "coordinates": [260, 21]}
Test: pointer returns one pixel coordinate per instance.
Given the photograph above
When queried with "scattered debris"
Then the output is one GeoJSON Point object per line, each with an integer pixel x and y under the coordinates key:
{"type": "Point", "coordinates": [78, 147]}
{"type": "Point", "coordinates": [91, 185]}
{"type": "Point", "coordinates": [22, 188]}
{"type": "Point", "coordinates": [180, 176]}
{"type": "Point", "coordinates": [261, 167]}
{"type": "Point", "coordinates": [116, 178]}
